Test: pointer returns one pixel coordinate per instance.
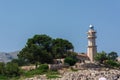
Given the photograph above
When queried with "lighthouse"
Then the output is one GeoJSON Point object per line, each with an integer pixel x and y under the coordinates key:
{"type": "Point", "coordinates": [92, 48]}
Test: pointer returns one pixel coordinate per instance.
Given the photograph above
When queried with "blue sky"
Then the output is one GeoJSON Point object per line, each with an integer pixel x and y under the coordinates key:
{"type": "Point", "coordinates": [68, 19]}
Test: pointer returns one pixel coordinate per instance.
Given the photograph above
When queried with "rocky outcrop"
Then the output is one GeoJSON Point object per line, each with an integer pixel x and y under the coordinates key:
{"type": "Point", "coordinates": [90, 74]}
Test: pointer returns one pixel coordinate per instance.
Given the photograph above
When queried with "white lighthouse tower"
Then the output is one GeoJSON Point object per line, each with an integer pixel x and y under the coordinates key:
{"type": "Point", "coordinates": [92, 48]}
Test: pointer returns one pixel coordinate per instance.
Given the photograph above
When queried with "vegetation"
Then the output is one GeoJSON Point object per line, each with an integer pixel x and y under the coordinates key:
{"type": "Point", "coordinates": [12, 72]}
{"type": "Point", "coordinates": [108, 60]}
{"type": "Point", "coordinates": [42, 69]}
{"type": "Point", "coordinates": [60, 48]}
{"type": "Point", "coordinates": [111, 63]}
{"type": "Point", "coordinates": [43, 49]}
{"type": "Point", "coordinates": [12, 69]}
{"type": "Point", "coordinates": [2, 68]}
{"type": "Point", "coordinates": [112, 56]}
{"type": "Point", "coordinates": [69, 60]}
{"type": "Point", "coordinates": [20, 62]}
{"type": "Point", "coordinates": [9, 70]}
{"type": "Point", "coordinates": [101, 57]}
{"type": "Point", "coordinates": [2, 77]}
{"type": "Point", "coordinates": [52, 74]}
{"type": "Point", "coordinates": [38, 50]}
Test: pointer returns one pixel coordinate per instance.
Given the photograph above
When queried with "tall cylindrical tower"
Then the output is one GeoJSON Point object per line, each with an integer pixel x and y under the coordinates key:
{"type": "Point", "coordinates": [92, 48]}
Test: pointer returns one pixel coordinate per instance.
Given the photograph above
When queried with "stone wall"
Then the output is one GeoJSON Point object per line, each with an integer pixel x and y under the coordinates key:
{"type": "Point", "coordinates": [57, 66]}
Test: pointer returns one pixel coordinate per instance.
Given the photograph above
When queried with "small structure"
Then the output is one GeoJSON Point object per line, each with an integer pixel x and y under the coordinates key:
{"type": "Point", "coordinates": [58, 64]}
{"type": "Point", "coordinates": [59, 61]}
{"type": "Point", "coordinates": [118, 59]}
{"type": "Point", "coordinates": [28, 68]}
{"type": "Point", "coordinates": [83, 58]}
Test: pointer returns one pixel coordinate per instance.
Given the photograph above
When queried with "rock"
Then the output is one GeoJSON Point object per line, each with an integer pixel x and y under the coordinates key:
{"type": "Point", "coordinates": [86, 75]}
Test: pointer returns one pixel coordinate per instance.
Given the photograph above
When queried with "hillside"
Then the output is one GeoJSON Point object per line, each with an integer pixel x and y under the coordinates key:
{"type": "Point", "coordinates": [7, 57]}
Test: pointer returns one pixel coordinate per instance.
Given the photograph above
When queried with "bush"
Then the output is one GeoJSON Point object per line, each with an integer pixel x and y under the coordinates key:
{"type": "Point", "coordinates": [3, 77]}
{"type": "Point", "coordinates": [101, 57]}
{"type": "Point", "coordinates": [70, 61]}
{"type": "Point", "coordinates": [52, 74]}
{"type": "Point", "coordinates": [32, 73]}
{"type": "Point", "coordinates": [12, 69]}
{"type": "Point", "coordinates": [43, 67]}
{"type": "Point", "coordinates": [2, 68]}
{"type": "Point", "coordinates": [112, 63]}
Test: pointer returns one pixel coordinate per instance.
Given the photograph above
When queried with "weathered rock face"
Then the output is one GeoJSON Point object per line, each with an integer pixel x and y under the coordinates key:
{"type": "Point", "coordinates": [92, 75]}
{"type": "Point", "coordinates": [85, 75]}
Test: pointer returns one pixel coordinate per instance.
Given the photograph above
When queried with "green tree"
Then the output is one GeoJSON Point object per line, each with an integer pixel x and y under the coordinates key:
{"type": "Point", "coordinates": [43, 41]}
{"type": "Point", "coordinates": [60, 47]}
{"type": "Point", "coordinates": [101, 57]}
{"type": "Point", "coordinates": [37, 49]}
{"type": "Point", "coordinates": [112, 55]}
{"type": "Point", "coordinates": [43, 49]}
{"type": "Point", "coordinates": [109, 60]}
{"type": "Point", "coordinates": [71, 54]}
{"type": "Point", "coordinates": [20, 62]}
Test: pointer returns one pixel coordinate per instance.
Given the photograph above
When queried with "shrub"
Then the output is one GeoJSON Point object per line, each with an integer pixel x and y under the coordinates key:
{"type": "Point", "coordinates": [111, 63]}
{"type": "Point", "coordinates": [12, 69]}
{"type": "Point", "coordinates": [2, 68]}
{"type": "Point", "coordinates": [70, 61]}
{"type": "Point", "coordinates": [52, 74]}
{"type": "Point", "coordinates": [3, 77]}
{"type": "Point", "coordinates": [32, 73]}
{"type": "Point", "coordinates": [43, 67]}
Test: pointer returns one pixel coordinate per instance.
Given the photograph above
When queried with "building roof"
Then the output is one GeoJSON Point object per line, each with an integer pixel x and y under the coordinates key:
{"type": "Point", "coordinates": [83, 56]}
